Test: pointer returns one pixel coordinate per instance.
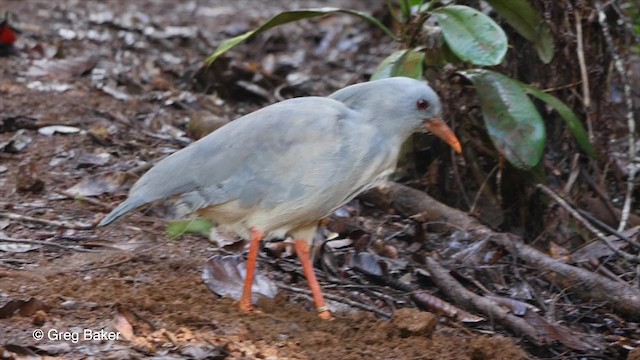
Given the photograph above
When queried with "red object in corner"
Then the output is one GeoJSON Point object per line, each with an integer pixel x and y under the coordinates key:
{"type": "Point", "coordinates": [7, 34]}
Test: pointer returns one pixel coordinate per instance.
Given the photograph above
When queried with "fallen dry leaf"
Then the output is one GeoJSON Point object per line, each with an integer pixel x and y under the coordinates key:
{"type": "Point", "coordinates": [21, 307]}
{"type": "Point", "coordinates": [123, 326]}
{"type": "Point", "coordinates": [101, 183]}
{"type": "Point", "coordinates": [28, 178]}
{"type": "Point", "coordinates": [65, 69]}
{"type": "Point", "coordinates": [60, 129]}
{"type": "Point", "coordinates": [224, 275]}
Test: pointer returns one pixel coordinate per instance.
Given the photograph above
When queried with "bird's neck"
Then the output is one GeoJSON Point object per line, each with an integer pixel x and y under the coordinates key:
{"type": "Point", "coordinates": [396, 130]}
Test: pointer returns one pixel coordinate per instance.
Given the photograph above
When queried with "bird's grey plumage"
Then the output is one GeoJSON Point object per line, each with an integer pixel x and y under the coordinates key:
{"type": "Point", "coordinates": [293, 162]}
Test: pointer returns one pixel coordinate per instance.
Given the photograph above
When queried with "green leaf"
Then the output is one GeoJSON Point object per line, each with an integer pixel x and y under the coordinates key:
{"type": "Point", "coordinates": [409, 7]}
{"type": "Point", "coordinates": [545, 44]}
{"type": "Point", "coordinates": [291, 16]}
{"type": "Point", "coordinates": [472, 35]}
{"type": "Point", "coordinates": [417, 6]}
{"type": "Point", "coordinates": [512, 120]}
{"type": "Point", "coordinates": [525, 20]}
{"type": "Point", "coordinates": [405, 8]}
{"type": "Point", "coordinates": [189, 226]}
{"type": "Point", "coordinates": [567, 114]}
{"type": "Point", "coordinates": [408, 62]}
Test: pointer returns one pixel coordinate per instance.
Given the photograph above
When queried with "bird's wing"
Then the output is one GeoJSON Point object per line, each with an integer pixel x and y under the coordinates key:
{"type": "Point", "coordinates": [301, 151]}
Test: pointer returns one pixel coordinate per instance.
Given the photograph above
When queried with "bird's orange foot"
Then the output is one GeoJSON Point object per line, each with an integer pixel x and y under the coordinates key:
{"type": "Point", "coordinates": [245, 306]}
{"type": "Point", "coordinates": [325, 314]}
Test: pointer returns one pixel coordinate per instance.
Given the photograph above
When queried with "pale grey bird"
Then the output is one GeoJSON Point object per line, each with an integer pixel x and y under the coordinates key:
{"type": "Point", "coordinates": [277, 171]}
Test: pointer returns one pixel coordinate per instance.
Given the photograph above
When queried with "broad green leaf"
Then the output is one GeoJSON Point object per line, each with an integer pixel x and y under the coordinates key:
{"type": "Point", "coordinates": [567, 114]}
{"type": "Point", "coordinates": [519, 14]}
{"type": "Point", "coordinates": [408, 62]}
{"type": "Point", "coordinates": [472, 35]}
{"type": "Point", "coordinates": [525, 20]}
{"type": "Point", "coordinates": [189, 226]}
{"type": "Point", "coordinates": [291, 16]}
{"type": "Point", "coordinates": [545, 44]}
{"type": "Point", "coordinates": [512, 120]}
{"type": "Point", "coordinates": [436, 51]}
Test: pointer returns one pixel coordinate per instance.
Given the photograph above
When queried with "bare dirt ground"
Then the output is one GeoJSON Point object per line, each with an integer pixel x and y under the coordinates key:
{"type": "Point", "coordinates": [125, 78]}
{"type": "Point", "coordinates": [128, 274]}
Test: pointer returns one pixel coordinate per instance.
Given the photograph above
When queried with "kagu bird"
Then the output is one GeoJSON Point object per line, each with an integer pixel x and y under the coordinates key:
{"type": "Point", "coordinates": [277, 171]}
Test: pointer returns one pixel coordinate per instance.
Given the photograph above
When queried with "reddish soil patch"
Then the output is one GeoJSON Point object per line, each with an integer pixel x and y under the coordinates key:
{"type": "Point", "coordinates": [174, 313]}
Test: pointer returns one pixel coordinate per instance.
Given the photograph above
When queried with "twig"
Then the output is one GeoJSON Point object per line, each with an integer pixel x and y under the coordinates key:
{"type": "Point", "coordinates": [339, 299]}
{"type": "Point", "coordinates": [586, 223]}
{"type": "Point", "coordinates": [115, 263]}
{"type": "Point", "coordinates": [561, 87]}
{"type": "Point", "coordinates": [484, 183]}
{"type": "Point", "coordinates": [56, 223]}
{"type": "Point", "coordinates": [601, 193]}
{"type": "Point", "coordinates": [129, 257]}
{"type": "Point", "coordinates": [608, 228]}
{"type": "Point", "coordinates": [6, 265]}
{"type": "Point", "coordinates": [450, 286]}
{"type": "Point", "coordinates": [632, 168]}
{"type": "Point", "coordinates": [44, 243]}
{"type": "Point", "coordinates": [586, 95]}
{"type": "Point", "coordinates": [86, 199]}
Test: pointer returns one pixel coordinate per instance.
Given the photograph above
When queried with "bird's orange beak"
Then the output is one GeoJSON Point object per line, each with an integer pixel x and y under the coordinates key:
{"type": "Point", "coordinates": [438, 128]}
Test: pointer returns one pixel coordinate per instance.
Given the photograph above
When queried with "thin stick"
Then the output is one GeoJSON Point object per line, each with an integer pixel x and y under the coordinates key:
{"type": "Point", "coordinates": [115, 263]}
{"type": "Point", "coordinates": [484, 183]}
{"type": "Point", "coordinates": [86, 199]}
{"type": "Point", "coordinates": [608, 228]}
{"type": "Point", "coordinates": [130, 256]}
{"type": "Point", "coordinates": [461, 296]}
{"type": "Point", "coordinates": [586, 95]}
{"type": "Point", "coordinates": [44, 243]}
{"type": "Point", "coordinates": [339, 299]}
{"type": "Point", "coordinates": [62, 224]}
{"type": "Point", "coordinates": [584, 222]}
{"type": "Point", "coordinates": [632, 168]}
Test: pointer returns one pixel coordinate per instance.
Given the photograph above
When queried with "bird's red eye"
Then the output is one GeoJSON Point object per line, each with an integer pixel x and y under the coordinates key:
{"type": "Point", "coordinates": [422, 104]}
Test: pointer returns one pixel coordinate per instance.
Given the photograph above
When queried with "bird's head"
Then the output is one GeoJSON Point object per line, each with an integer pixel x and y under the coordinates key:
{"type": "Point", "coordinates": [401, 105]}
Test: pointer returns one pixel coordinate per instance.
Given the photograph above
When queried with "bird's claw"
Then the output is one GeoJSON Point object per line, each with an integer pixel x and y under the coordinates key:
{"type": "Point", "coordinates": [245, 306]}
{"type": "Point", "coordinates": [324, 313]}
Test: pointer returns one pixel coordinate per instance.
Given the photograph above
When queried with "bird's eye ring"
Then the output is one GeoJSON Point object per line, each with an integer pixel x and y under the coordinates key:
{"type": "Point", "coordinates": [422, 104]}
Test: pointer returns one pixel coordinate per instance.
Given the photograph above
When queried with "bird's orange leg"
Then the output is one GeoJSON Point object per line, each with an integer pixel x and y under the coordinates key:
{"type": "Point", "coordinates": [254, 247]}
{"type": "Point", "coordinates": [302, 249]}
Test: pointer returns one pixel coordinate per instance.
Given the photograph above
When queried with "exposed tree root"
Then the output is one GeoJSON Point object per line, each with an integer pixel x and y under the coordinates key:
{"type": "Point", "coordinates": [621, 297]}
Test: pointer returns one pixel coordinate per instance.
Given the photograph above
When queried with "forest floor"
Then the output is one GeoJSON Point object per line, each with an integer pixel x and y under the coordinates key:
{"type": "Point", "coordinates": [95, 91]}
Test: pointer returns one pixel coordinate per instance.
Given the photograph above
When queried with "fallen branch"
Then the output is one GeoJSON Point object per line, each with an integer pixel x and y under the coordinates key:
{"type": "Point", "coordinates": [464, 297]}
{"type": "Point", "coordinates": [584, 284]}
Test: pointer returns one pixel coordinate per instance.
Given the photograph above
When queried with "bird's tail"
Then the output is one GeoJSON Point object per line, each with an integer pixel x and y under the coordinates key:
{"type": "Point", "coordinates": [122, 209]}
